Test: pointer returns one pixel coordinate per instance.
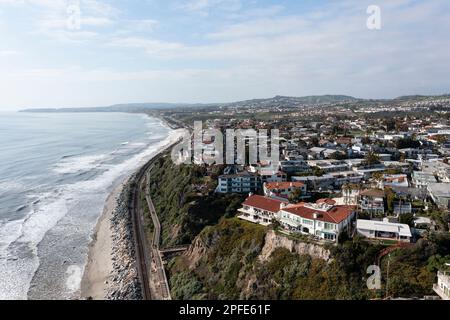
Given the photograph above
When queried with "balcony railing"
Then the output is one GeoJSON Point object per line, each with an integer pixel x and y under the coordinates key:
{"type": "Point", "coordinates": [440, 292]}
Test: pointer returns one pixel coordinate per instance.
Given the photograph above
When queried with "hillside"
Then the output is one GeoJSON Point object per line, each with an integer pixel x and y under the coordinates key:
{"type": "Point", "coordinates": [232, 259]}
{"type": "Point", "coordinates": [225, 262]}
{"type": "Point", "coordinates": [139, 107]}
{"type": "Point", "coordinates": [184, 200]}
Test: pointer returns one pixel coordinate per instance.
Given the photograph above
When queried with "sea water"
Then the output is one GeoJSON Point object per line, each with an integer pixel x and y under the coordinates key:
{"type": "Point", "coordinates": [56, 171]}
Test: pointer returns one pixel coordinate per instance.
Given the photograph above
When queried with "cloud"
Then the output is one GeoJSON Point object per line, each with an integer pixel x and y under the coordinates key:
{"type": "Point", "coordinates": [205, 6]}
{"type": "Point", "coordinates": [162, 49]}
{"type": "Point", "coordinates": [53, 17]}
{"type": "Point", "coordinates": [250, 51]}
{"type": "Point", "coordinates": [8, 53]}
{"type": "Point", "coordinates": [261, 27]}
{"type": "Point", "coordinates": [327, 49]}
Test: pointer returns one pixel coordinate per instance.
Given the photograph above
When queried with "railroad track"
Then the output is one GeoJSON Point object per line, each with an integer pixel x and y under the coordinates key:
{"type": "Point", "coordinates": [154, 284]}
{"type": "Point", "coordinates": [143, 258]}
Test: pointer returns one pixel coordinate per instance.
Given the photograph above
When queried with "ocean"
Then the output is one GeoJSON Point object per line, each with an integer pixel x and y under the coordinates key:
{"type": "Point", "coordinates": [56, 171]}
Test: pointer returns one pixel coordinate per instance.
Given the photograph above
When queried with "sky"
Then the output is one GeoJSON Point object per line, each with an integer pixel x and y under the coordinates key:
{"type": "Point", "coordinates": [83, 53]}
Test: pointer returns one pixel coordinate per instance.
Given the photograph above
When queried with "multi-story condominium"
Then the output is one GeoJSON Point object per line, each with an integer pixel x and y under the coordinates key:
{"type": "Point", "coordinates": [372, 201]}
{"type": "Point", "coordinates": [442, 287]}
{"type": "Point", "coordinates": [383, 230]}
{"type": "Point", "coordinates": [283, 189]}
{"type": "Point", "coordinates": [322, 220]}
{"type": "Point", "coordinates": [243, 182]}
{"type": "Point", "coordinates": [259, 209]}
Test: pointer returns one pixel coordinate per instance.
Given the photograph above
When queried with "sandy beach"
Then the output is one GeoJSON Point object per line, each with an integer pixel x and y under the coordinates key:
{"type": "Point", "coordinates": [99, 266]}
{"type": "Point", "coordinates": [98, 272]}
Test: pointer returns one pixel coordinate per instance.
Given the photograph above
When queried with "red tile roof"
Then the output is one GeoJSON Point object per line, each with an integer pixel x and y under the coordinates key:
{"type": "Point", "coordinates": [264, 203]}
{"type": "Point", "coordinates": [336, 214]}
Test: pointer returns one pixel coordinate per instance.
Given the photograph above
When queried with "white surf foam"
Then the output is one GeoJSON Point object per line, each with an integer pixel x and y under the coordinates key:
{"type": "Point", "coordinates": [11, 186]}
{"type": "Point", "coordinates": [79, 164]}
{"type": "Point", "coordinates": [74, 274]}
{"type": "Point", "coordinates": [16, 274]}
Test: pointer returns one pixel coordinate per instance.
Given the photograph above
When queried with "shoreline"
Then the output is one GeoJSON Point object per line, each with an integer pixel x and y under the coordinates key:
{"type": "Point", "coordinates": [98, 274]}
{"type": "Point", "coordinates": [99, 267]}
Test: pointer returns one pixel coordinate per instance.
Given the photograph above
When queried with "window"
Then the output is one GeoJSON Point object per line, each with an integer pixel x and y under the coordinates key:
{"type": "Point", "coordinates": [329, 236]}
{"type": "Point", "coordinates": [329, 226]}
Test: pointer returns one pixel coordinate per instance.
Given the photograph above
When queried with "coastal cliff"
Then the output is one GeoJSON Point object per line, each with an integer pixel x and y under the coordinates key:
{"type": "Point", "coordinates": [274, 241]}
{"type": "Point", "coordinates": [239, 260]}
{"type": "Point", "coordinates": [184, 199]}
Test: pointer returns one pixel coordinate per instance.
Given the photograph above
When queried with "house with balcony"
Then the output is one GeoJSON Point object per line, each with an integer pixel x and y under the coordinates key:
{"type": "Point", "coordinates": [317, 183]}
{"type": "Point", "coordinates": [383, 230]}
{"type": "Point", "coordinates": [242, 182]}
{"type": "Point", "coordinates": [271, 175]}
{"type": "Point", "coordinates": [347, 177]}
{"type": "Point", "coordinates": [322, 220]}
{"type": "Point", "coordinates": [260, 209]}
{"type": "Point", "coordinates": [283, 189]}
{"type": "Point", "coordinates": [394, 180]}
{"type": "Point", "coordinates": [442, 287]}
{"type": "Point", "coordinates": [402, 207]}
{"type": "Point", "coordinates": [372, 201]}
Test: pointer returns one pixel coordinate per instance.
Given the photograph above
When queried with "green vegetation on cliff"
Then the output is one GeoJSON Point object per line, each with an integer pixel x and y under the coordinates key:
{"type": "Point", "coordinates": [184, 200]}
{"type": "Point", "coordinates": [224, 261]}
{"type": "Point", "coordinates": [228, 267]}
{"type": "Point", "coordinates": [231, 248]}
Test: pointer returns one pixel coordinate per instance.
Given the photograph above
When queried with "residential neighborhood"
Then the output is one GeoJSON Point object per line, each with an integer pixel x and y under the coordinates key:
{"type": "Point", "coordinates": [351, 173]}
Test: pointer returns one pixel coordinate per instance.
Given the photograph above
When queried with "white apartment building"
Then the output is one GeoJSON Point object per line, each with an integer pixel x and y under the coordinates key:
{"type": "Point", "coordinates": [261, 210]}
{"type": "Point", "coordinates": [324, 221]}
{"type": "Point", "coordinates": [442, 287]}
{"type": "Point", "coordinates": [383, 230]}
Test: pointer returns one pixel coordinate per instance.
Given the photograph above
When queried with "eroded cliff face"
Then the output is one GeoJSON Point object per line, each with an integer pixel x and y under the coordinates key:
{"type": "Point", "coordinates": [239, 260]}
{"type": "Point", "coordinates": [194, 254]}
{"type": "Point", "coordinates": [274, 241]}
